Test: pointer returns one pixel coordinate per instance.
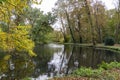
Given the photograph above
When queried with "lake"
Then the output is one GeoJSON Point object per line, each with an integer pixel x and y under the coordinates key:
{"type": "Point", "coordinates": [54, 60]}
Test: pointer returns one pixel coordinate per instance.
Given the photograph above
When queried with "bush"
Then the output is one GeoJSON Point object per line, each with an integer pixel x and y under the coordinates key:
{"type": "Point", "coordinates": [105, 71]}
{"type": "Point", "coordinates": [87, 72]}
{"type": "Point", "coordinates": [109, 41]}
{"type": "Point", "coordinates": [111, 65]}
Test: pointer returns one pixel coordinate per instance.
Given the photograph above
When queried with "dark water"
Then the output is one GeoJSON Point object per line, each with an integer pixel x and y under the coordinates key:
{"type": "Point", "coordinates": [53, 60]}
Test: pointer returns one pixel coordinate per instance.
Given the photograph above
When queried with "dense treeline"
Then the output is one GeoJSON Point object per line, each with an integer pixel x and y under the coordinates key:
{"type": "Point", "coordinates": [81, 21]}
{"type": "Point", "coordinates": [87, 21]}
{"type": "Point", "coordinates": [21, 26]}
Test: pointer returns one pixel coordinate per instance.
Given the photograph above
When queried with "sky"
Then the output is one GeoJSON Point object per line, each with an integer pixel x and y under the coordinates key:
{"type": "Point", "coordinates": [109, 3]}
{"type": "Point", "coordinates": [47, 5]}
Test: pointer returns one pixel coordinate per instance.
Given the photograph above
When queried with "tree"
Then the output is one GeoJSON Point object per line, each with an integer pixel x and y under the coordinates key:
{"type": "Point", "coordinates": [99, 13]}
{"type": "Point", "coordinates": [90, 20]}
{"type": "Point", "coordinates": [63, 6]}
{"type": "Point", "coordinates": [15, 39]}
{"type": "Point", "coordinates": [41, 24]}
{"type": "Point", "coordinates": [86, 20]}
{"type": "Point", "coordinates": [118, 21]}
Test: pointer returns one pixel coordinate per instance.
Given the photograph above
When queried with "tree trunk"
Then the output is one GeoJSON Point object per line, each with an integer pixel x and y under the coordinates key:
{"type": "Point", "coordinates": [63, 30]}
{"type": "Point", "coordinates": [90, 20]}
{"type": "Point", "coordinates": [116, 34]}
{"type": "Point", "coordinates": [98, 29]}
{"type": "Point", "coordinates": [71, 32]}
{"type": "Point", "coordinates": [118, 24]}
{"type": "Point", "coordinates": [79, 28]}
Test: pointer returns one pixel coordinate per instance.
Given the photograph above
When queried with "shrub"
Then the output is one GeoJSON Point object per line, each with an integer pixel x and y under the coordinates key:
{"type": "Point", "coordinates": [109, 41]}
{"type": "Point", "coordinates": [88, 72]}
{"type": "Point", "coordinates": [111, 65]}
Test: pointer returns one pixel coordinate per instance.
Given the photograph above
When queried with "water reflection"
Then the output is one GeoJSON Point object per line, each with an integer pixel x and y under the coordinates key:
{"type": "Point", "coordinates": [16, 68]}
{"type": "Point", "coordinates": [53, 60]}
{"type": "Point", "coordinates": [59, 60]}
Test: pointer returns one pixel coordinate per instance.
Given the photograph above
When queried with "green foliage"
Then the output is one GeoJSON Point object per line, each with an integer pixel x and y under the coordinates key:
{"type": "Point", "coordinates": [27, 78]}
{"type": "Point", "coordinates": [41, 24]}
{"type": "Point", "coordinates": [4, 26]}
{"type": "Point", "coordinates": [88, 72]}
{"type": "Point", "coordinates": [110, 65]}
{"type": "Point", "coordinates": [2, 1]}
{"type": "Point", "coordinates": [106, 71]}
{"type": "Point", "coordinates": [109, 41]}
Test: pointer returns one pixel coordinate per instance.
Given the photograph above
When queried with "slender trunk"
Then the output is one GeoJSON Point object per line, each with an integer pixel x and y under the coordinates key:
{"type": "Point", "coordinates": [118, 24]}
{"type": "Point", "coordinates": [63, 30]}
{"type": "Point", "coordinates": [116, 34]}
{"type": "Point", "coordinates": [71, 32]}
{"type": "Point", "coordinates": [90, 20]}
{"type": "Point", "coordinates": [79, 29]}
{"type": "Point", "coordinates": [98, 29]}
{"type": "Point", "coordinates": [64, 36]}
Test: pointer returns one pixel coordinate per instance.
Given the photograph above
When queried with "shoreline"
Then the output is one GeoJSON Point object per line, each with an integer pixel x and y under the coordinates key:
{"type": "Point", "coordinates": [99, 46]}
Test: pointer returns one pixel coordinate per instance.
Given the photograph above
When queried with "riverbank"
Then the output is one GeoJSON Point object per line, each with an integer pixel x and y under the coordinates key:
{"type": "Point", "coordinates": [105, 71]}
{"type": "Point", "coordinates": [115, 47]}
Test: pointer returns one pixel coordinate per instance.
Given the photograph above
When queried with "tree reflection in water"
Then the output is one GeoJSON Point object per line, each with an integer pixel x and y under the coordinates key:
{"type": "Point", "coordinates": [53, 60]}
{"type": "Point", "coordinates": [16, 68]}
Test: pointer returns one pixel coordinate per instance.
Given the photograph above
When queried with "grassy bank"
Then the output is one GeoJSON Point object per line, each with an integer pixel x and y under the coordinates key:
{"type": "Point", "coordinates": [115, 47]}
{"type": "Point", "coordinates": [105, 71]}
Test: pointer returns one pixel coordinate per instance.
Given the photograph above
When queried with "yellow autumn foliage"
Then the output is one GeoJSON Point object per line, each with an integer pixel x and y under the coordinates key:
{"type": "Point", "coordinates": [10, 7]}
{"type": "Point", "coordinates": [17, 39]}
{"type": "Point", "coordinates": [7, 57]}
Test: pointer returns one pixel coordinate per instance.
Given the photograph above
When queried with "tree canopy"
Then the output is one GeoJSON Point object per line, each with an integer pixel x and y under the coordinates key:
{"type": "Point", "coordinates": [15, 37]}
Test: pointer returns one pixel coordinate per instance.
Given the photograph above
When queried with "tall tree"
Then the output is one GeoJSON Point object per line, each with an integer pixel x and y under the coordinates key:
{"type": "Point", "coordinates": [63, 5]}
{"type": "Point", "coordinates": [87, 5]}
{"type": "Point", "coordinates": [15, 38]}
{"type": "Point", "coordinates": [41, 24]}
{"type": "Point", "coordinates": [118, 21]}
{"type": "Point", "coordinates": [99, 14]}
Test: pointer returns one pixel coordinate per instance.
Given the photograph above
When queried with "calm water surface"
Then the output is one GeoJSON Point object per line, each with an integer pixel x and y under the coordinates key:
{"type": "Point", "coordinates": [54, 60]}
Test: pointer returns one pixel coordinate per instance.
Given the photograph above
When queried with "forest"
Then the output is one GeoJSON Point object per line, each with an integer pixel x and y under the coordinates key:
{"type": "Point", "coordinates": [86, 21]}
{"type": "Point", "coordinates": [80, 22]}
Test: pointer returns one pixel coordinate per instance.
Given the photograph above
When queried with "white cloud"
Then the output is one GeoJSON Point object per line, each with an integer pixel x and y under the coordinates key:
{"type": "Point", "coordinates": [46, 5]}
{"type": "Point", "coordinates": [109, 3]}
